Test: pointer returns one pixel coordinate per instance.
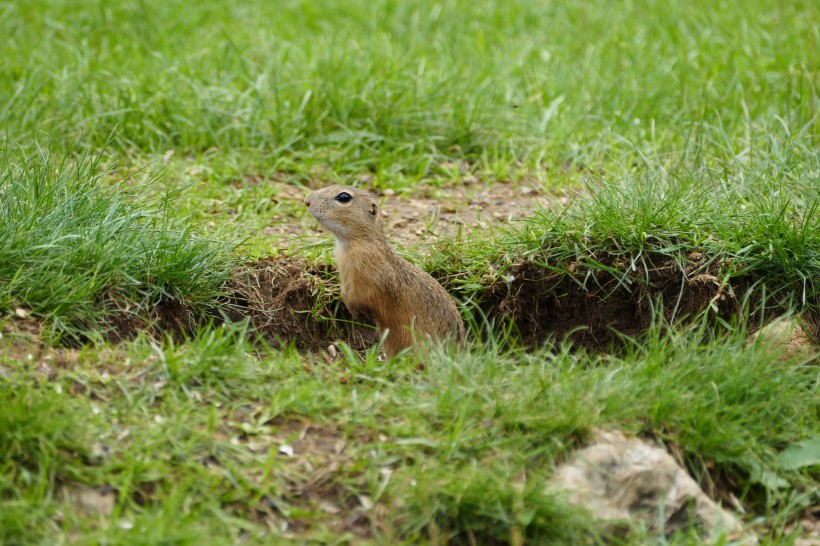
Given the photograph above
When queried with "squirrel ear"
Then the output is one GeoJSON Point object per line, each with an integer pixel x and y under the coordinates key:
{"type": "Point", "coordinates": [374, 208]}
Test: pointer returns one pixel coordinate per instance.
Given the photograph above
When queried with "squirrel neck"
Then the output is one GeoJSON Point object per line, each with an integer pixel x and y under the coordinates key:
{"type": "Point", "coordinates": [362, 252]}
{"type": "Point", "coordinates": [371, 242]}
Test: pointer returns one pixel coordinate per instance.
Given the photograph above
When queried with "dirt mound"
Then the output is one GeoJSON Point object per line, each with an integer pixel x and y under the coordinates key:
{"type": "Point", "coordinates": [289, 302]}
{"type": "Point", "coordinates": [591, 306]}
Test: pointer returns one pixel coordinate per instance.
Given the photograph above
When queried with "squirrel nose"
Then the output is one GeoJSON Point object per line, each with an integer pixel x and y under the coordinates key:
{"type": "Point", "coordinates": [307, 202]}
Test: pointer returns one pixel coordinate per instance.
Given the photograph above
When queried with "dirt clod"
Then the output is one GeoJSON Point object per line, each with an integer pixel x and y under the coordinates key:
{"type": "Point", "coordinates": [289, 302]}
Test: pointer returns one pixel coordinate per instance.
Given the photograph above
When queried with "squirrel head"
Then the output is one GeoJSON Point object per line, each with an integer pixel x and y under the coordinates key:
{"type": "Point", "coordinates": [347, 212]}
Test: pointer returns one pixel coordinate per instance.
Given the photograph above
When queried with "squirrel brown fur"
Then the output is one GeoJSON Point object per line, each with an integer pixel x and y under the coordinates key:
{"type": "Point", "coordinates": [376, 282]}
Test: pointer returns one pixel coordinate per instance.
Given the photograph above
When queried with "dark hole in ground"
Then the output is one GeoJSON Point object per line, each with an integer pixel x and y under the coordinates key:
{"type": "Point", "coordinates": [169, 317]}
{"type": "Point", "coordinates": [591, 306]}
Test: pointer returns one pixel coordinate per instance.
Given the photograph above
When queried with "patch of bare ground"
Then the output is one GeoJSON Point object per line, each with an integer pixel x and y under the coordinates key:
{"type": "Point", "coordinates": [595, 307]}
{"type": "Point", "coordinates": [23, 344]}
{"type": "Point", "coordinates": [444, 212]}
{"type": "Point", "coordinates": [124, 321]}
{"type": "Point", "coordinates": [414, 219]}
{"type": "Point", "coordinates": [23, 341]}
{"type": "Point", "coordinates": [590, 306]}
{"type": "Point", "coordinates": [167, 317]}
{"type": "Point", "coordinates": [22, 338]}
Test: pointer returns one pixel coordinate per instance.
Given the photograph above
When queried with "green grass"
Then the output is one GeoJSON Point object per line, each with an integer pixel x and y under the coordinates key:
{"type": "Point", "coordinates": [192, 433]}
{"type": "Point", "coordinates": [77, 253]}
{"type": "Point", "coordinates": [398, 89]}
{"type": "Point", "coordinates": [761, 221]}
{"type": "Point", "coordinates": [148, 145]}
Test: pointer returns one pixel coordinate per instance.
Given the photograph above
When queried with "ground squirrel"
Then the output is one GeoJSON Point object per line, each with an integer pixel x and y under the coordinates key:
{"type": "Point", "coordinates": [376, 282]}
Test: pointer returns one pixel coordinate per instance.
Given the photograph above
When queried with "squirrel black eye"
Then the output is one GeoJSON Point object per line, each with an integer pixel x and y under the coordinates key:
{"type": "Point", "coordinates": [343, 197]}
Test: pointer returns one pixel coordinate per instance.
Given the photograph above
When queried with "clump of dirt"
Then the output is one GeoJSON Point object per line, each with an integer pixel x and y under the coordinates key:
{"type": "Point", "coordinates": [593, 307]}
{"type": "Point", "coordinates": [289, 302]}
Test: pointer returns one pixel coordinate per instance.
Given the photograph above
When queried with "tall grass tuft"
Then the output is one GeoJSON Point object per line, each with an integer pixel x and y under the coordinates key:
{"type": "Point", "coordinates": [753, 218]}
{"type": "Point", "coordinates": [75, 251]}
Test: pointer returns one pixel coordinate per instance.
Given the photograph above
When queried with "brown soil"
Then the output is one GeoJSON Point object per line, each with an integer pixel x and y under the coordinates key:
{"type": "Point", "coordinates": [595, 308]}
{"type": "Point", "coordinates": [419, 218]}
{"type": "Point", "coordinates": [314, 456]}
{"type": "Point", "coordinates": [288, 302]}
{"type": "Point", "coordinates": [167, 318]}
{"type": "Point", "coordinates": [312, 486]}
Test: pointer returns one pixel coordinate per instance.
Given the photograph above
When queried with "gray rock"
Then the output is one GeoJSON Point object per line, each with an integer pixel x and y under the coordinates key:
{"type": "Point", "coordinates": [790, 336]}
{"type": "Point", "coordinates": [627, 480]}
